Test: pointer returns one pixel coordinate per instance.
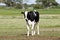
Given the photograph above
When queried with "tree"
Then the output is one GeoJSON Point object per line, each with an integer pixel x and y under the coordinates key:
{"type": "Point", "coordinates": [24, 2]}
{"type": "Point", "coordinates": [46, 3]}
{"type": "Point", "coordinates": [37, 6]}
{"type": "Point", "coordinates": [13, 3]}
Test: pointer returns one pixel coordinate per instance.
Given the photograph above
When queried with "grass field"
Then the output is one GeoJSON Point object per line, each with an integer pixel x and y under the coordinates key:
{"type": "Point", "coordinates": [10, 11]}
{"type": "Point", "coordinates": [18, 11]}
{"type": "Point", "coordinates": [13, 26]}
{"type": "Point", "coordinates": [17, 23]}
{"type": "Point", "coordinates": [15, 29]}
{"type": "Point", "coordinates": [49, 11]}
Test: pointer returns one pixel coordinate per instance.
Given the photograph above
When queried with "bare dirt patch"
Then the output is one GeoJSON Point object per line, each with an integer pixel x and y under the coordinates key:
{"type": "Point", "coordinates": [28, 38]}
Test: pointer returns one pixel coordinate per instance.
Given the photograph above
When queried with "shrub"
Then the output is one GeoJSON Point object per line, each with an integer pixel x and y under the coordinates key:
{"type": "Point", "coordinates": [18, 6]}
{"type": "Point", "coordinates": [37, 6]}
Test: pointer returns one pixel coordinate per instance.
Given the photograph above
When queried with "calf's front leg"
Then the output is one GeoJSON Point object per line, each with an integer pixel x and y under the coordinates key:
{"type": "Point", "coordinates": [28, 30]}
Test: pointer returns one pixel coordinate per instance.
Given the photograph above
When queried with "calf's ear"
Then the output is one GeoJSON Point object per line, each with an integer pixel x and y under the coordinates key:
{"type": "Point", "coordinates": [22, 12]}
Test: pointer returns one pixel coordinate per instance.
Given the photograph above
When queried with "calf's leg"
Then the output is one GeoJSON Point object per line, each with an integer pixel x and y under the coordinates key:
{"type": "Point", "coordinates": [32, 29]}
{"type": "Point", "coordinates": [38, 28]}
{"type": "Point", "coordinates": [28, 30]}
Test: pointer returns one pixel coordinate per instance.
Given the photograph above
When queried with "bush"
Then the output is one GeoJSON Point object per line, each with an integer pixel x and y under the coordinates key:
{"type": "Point", "coordinates": [37, 6]}
{"type": "Point", "coordinates": [18, 6]}
{"type": "Point", "coordinates": [55, 7]}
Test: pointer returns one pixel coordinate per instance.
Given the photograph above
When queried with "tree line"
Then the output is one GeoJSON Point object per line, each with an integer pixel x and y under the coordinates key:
{"type": "Point", "coordinates": [39, 4]}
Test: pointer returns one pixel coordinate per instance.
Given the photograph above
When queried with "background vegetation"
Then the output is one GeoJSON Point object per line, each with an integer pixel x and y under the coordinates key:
{"type": "Point", "coordinates": [40, 4]}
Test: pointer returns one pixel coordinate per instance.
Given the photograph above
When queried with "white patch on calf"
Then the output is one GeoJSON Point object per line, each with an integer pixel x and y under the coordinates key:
{"type": "Point", "coordinates": [26, 12]}
{"type": "Point", "coordinates": [31, 22]}
{"type": "Point", "coordinates": [35, 10]}
{"type": "Point", "coordinates": [34, 14]}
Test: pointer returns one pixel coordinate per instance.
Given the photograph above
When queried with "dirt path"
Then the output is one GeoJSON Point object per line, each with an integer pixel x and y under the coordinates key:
{"type": "Point", "coordinates": [28, 38]}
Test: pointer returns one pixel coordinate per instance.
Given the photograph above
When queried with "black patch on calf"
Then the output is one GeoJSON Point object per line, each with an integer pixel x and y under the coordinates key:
{"type": "Point", "coordinates": [31, 16]}
{"type": "Point", "coordinates": [37, 17]}
{"type": "Point", "coordinates": [26, 20]}
{"type": "Point", "coordinates": [23, 13]}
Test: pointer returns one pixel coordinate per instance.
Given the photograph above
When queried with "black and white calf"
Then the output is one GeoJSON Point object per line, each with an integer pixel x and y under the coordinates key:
{"type": "Point", "coordinates": [32, 19]}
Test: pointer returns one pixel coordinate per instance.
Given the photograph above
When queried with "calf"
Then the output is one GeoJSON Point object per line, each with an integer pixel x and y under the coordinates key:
{"type": "Point", "coordinates": [32, 18]}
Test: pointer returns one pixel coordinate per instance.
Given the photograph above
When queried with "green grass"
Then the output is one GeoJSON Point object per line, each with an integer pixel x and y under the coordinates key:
{"type": "Point", "coordinates": [49, 11]}
{"type": "Point", "coordinates": [14, 27]}
{"type": "Point", "coordinates": [20, 23]}
{"type": "Point", "coordinates": [50, 23]}
{"type": "Point", "coordinates": [50, 33]}
{"type": "Point", "coordinates": [18, 11]}
{"type": "Point", "coordinates": [10, 11]}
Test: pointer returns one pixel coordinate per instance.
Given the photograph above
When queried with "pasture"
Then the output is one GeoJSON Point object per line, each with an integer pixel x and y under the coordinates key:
{"type": "Point", "coordinates": [18, 11]}
{"type": "Point", "coordinates": [13, 25]}
{"type": "Point", "coordinates": [14, 28]}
